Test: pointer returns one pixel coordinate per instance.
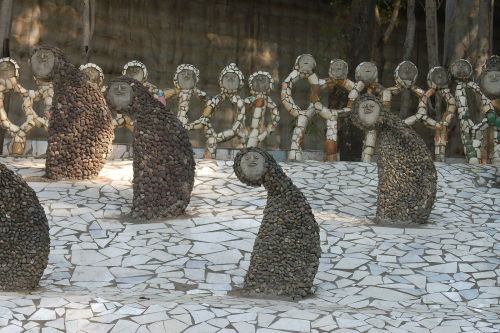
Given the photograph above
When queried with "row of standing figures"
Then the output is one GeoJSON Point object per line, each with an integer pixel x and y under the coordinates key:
{"type": "Point", "coordinates": [480, 140]}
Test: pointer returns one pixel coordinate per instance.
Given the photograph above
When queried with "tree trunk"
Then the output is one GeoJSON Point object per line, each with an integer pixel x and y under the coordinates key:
{"type": "Point", "coordinates": [5, 26]}
{"type": "Point", "coordinates": [360, 38]}
{"type": "Point", "coordinates": [469, 31]}
{"type": "Point", "coordinates": [88, 27]}
{"type": "Point", "coordinates": [405, 110]}
{"type": "Point", "coordinates": [385, 38]}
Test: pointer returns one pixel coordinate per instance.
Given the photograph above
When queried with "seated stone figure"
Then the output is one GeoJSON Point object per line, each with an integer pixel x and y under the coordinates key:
{"type": "Point", "coordinates": [163, 157]}
{"type": "Point", "coordinates": [81, 126]}
{"type": "Point", "coordinates": [24, 234]}
{"type": "Point", "coordinates": [406, 173]}
{"type": "Point", "coordinates": [286, 252]}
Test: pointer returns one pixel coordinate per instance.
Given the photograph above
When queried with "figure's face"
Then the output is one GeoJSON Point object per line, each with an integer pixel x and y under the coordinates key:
{"type": "Point", "coordinates": [231, 81]}
{"type": "Point", "coordinates": [93, 75]}
{"type": "Point", "coordinates": [369, 111]}
{"type": "Point", "coordinates": [187, 79]}
{"type": "Point", "coordinates": [7, 70]}
{"type": "Point", "coordinates": [490, 83]}
{"type": "Point", "coordinates": [306, 64]}
{"type": "Point", "coordinates": [135, 72]}
{"type": "Point", "coordinates": [461, 69]}
{"type": "Point", "coordinates": [366, 72]}
{"type": "Point", "coordinates": [439, 76]}
{"type": "Point", "coordinates": [261, 83]}
{"type": "Point", "coordinates": [253, 166]}
{"type": "Point", "coordinates": [408, 71]}
{"type": "Point", "coordinates": [338, 70]}
{"type": "Point", "coordinates": [120, 95]}
{"type": "Point", "coordinates": [42, 63]}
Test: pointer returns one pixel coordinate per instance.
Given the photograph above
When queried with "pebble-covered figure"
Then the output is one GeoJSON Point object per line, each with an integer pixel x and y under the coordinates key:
{"type": "Point", "coordinates": [407, 176]}
{"type": "Point", "coordinates": [286, 252]}
{"type": "Point", "coordinates": [81, 128]}
{"type": "Point", "coordinates": [163, 157]}
{"type": "Point", "coordinates": [24, 234]}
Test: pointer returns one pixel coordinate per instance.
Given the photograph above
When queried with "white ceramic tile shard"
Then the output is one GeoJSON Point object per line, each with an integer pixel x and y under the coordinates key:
{"type": "Point", "coordinates": [107, 273]}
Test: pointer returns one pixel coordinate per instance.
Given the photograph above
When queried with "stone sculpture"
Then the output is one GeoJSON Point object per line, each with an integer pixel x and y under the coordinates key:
{"type": "Point", "coordinates": [437, 80]}
{"type": "Point", "coordinates": [163, 158]}
{"type": "Point", "coordinates": [405, 76]}
{"type": "Point", "coordinates": [286, 252]}
{"type": "Point", "coordinates": [231, 81]}
{"type": "Point", "coordinates": [186, 80]}
{"type": "Point", "coordinates": [366, 76]}
{"type": "Point", "coordinates": [94, 74]}
{"type": "Point", "coordinates": [472, 133]}
{"type": "Point", "coordinates": [489, 82]}
{"type": "Point", "coordinates": [337, 77]}
{"type": "Point", "coordinates": [260, 84]}
{"type": "Point", "coordinates": [9, 76]}
{"type": "Point", "coordinates": [24, 234]}
{"type": "Point", "coordinates": [81, 129]}
{"type": "Point", "coordinates": [407, 176]}
{"type": "Point", "coordinates": [138, 71]}
{"type": "Point", "coordinates": [303, 69]}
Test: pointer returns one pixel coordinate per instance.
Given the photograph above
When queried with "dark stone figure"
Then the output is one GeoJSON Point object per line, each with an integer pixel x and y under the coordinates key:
{"type": "Point", "coordinates": [286, 252]}
{"type": "Point", "coordinates": [163, 157]}
{"type": "Point", "coordinates": [24, 234]}
{"type": "Point", "coordinates": [80, 127]}
{"type": "Point", "coordinates": [406, 173]}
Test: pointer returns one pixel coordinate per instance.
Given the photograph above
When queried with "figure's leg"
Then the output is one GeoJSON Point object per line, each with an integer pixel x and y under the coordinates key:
{"type": "Point", "coordinates": [369, 146]}
{"type": "Point", "coordinates": [331, 139]}
{"type": "Point", "coordinates": [211, 145]}
{"type": "Point", "coordinates": [295, 153]}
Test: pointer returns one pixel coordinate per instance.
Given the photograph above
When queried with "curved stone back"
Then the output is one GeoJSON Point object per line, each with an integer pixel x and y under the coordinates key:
{"type": "Point", "coordinates": [24, 234]}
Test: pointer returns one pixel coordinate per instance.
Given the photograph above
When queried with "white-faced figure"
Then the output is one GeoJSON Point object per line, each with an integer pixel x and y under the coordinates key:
{"type": "Point", "coordinates": [338, 69]}
{"type": "Point", "coordinates": [231, 80]}
{"type": "Point", "coordinates": [366, 76]}
{"type": "Point", "coordinates": [406, 74]}
{"type": "Point", "coordinates": [186, 80]}
{"type": "Point", "coordinates": [489, 80]}
{"type": "Point", "coordinates": [261, 84]}
{"type": "Point", "coordinates": [138, 71]}
{"type": "Point", "coordinates": [42, 64]}
{"type": "Point", "coordinates": [303, 68]}
{"type": "Point", "coordinates": [94, 74]}
{"type": "Point", "coordinates": [9, 77]}
{"type": "Point", "coordinates": [475, 136]}
{"type": "Point", "coordinates": [366, 72]}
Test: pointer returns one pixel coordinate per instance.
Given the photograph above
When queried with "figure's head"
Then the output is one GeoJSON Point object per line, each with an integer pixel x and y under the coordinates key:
{"type": "Point", "coordinates": [251, 165]}
{"type": "Point", "coordinates": [8, 68]}
{"type": "Point", "coordinates": [135, 70]}
{"type": "Point", "coordinates": [186, 77]}
{"type": "Point", "coordinates": [489, 81]}
{"type": "Point", "coordinates": [94, 73]}
{"type": "Point", "coordinates": [366, 72]}
{"type": "Point", "coordinates": [120, 94]}
{"type": "Point", "coordinates": [260, 83]}
{"type": "Point", "coordinates": [231, 79]}
{"type": "Point", "coordinates": [461, 69]}
{"type": "Point", "coordinates": [438, 77]}
{"type": "Point", "coordinates": [406, 74]}
{"type": "Point", "coordinates": [305, 64]}
{"type": "Point", "coordinates": [338, 69]}
{"type": "Point", "coordinates": [43, 60]}
{"type": "Point", "coordinates": [367, 112]}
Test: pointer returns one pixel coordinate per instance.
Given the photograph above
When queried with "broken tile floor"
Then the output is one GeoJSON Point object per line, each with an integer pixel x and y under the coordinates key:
{"type": "Point", "coordinates": [106, 274]}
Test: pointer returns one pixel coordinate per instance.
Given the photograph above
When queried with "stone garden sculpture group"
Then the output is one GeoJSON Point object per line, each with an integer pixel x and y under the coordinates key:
{"type": "Point", "coordinates": [80, 135]}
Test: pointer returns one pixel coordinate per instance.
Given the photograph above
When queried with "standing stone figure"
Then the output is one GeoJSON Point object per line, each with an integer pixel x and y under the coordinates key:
{"type": "Point", "coordinates": [366, 76]}
{"type": "Point", "coordinates": [24, 234]}
{"type": "Point", "coordinates": [286, 252]}
{"type": "Point", "coordinates": [81, 128]}
{"type": "Point", "coordinates": [406, 172]}
{"type": "Point", "coordinates": [163, 157]}
{"type": "Point", "coordinates": [138, 71]}
{"type": "Point", "coordinates": [261, 84]}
